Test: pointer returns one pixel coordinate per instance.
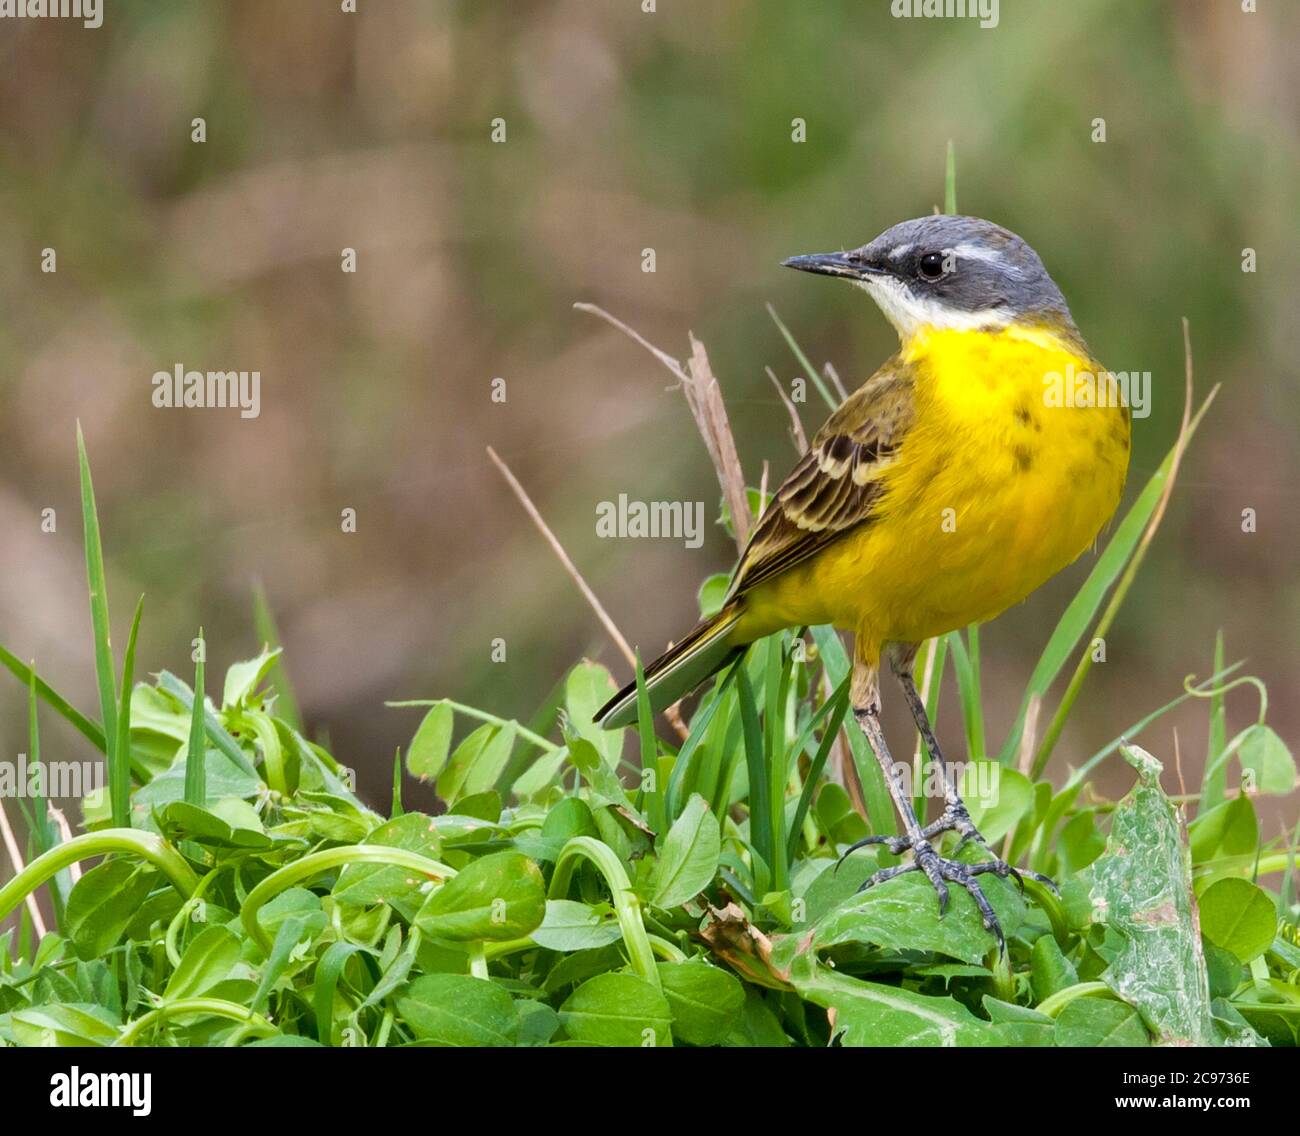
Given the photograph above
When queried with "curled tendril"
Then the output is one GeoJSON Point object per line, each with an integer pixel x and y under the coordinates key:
{"type": "Point", "coordinates": [1214, 692]}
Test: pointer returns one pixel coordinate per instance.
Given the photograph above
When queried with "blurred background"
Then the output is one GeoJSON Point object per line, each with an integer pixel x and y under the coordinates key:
{"type": "Point", "coordinates": [625, 130]}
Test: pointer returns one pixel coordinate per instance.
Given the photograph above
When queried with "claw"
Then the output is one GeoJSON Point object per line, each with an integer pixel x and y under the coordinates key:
{"type": "Point", "coordinates": [938, 869]}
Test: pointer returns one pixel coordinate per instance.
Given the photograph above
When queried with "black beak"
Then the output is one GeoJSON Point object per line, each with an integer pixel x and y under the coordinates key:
{"type": "Point", "coordinates": [848, 264]}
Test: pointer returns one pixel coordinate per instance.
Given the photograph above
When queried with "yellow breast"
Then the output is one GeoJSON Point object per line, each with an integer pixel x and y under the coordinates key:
{"type": "Point", "coordinates": [995, 488]}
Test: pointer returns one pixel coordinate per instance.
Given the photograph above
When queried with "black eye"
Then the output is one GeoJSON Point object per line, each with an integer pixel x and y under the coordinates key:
{"type": "Point", "coordinates": [932, 266]}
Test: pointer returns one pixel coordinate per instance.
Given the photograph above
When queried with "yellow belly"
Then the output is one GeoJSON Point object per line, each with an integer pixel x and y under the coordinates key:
{"type": "Point", "coordinates": [993, 492]}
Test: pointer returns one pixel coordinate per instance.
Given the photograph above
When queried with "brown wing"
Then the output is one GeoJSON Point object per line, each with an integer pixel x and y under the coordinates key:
{"type": "Point", "coordinates": [835, 485]}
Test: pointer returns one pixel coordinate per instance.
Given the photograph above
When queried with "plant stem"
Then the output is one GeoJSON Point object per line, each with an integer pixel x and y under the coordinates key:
{"type": "Point", "coordinates": [626, 904]}
{"type": "Point", "coordinates": [484, 716]}
{"type": "Point", "coordinates": [1055, 1003]}
{"type": "Point", "coordinates": [318, 862]}
{"type": "Point", "coordinates": [214, 1007]}
{"type": "Point", "coordinates": [146, 845]}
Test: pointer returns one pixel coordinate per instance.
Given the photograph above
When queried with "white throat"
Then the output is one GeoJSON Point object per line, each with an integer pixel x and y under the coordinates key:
{"type": "Point", "coordinates": [909, 313]}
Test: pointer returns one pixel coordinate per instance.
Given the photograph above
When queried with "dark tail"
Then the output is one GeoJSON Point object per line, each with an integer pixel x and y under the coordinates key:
{"type": "Point", "coordinates": [679, 670]}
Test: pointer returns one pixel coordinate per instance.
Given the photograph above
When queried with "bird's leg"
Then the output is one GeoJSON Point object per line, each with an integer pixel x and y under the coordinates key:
{"type": "Point", "coordinates": [955, 815]}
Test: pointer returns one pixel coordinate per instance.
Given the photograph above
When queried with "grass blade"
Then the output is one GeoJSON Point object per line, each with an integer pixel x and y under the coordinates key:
{"type": "Point", "coordinates": [91, 731]}
{"type": "Point", "coordinates": [1214, 782]}
{"type": "Point", "coordinates": [196, 775]}
{"type": "Point", "coordinates": [645, 728]}
{"type": "Point", "coordinates": [217, 733]}
{"type": "Point", "coordinates": [104, 671]}
{"type": "Point", "coordinates": [760, 813]}
{"type": "Point", "coordinates": [931, 686]}
{"type": "Point", "coordinates": [119, 767]}
{"type": "Point", "coordinates": [950, 180]}
{"type": "Point", "coordinates": [42, 830]}
{"type": "Point", "coordinates": [802, 360]}
{"type": "Point", "coordinates": [286, 705]}
{"type": "Point", "coordinates": [699, 726]}
{"type": "Point", "coordinates": [833, 710]}
{"type": "Point", "coordinates": [397, 808]}
{"type": "Point", "coordinates": [966, 666]}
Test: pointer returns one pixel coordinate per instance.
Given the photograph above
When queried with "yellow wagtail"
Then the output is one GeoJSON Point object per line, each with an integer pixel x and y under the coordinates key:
{"type": "Point", "coordinates": [944, 490]}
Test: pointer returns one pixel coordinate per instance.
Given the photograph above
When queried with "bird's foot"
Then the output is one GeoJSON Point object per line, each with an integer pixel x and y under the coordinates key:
{"type": "Point", "coordinates": [941, 871]}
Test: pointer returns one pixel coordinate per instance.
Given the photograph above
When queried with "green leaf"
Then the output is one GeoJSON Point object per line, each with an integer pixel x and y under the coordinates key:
{"type": "Point", "coordinates": [1229, 828]}
{"type": "Point", "coordinates": [1091, 1023]}
{"type": "Point", "coordinates": [290, 934]}
{"type": "Point", "coordinates": [1266, 762]}
{"type": "Point", "coordinates": [325, 986]}
{"type": "Point", "coordinates": [688, 860]}
{"type": "Point", "coordinates": [1143, 884]}
{"type": "Point", "coordinates": [71, 1024]}
{"type": "Point", "coordinates": [588, 687]}
{"type": "Point", "coordinates": [1225, 970]}
{"type": "Point", "coordinates": [103, 902]}
{"type": "Point", "coordinates": [243, 679]}
{"type": "Point", "coordinates": [704, 1000]}
{"type": "Point", "coordinates": [222, 778]}
{"type": "Point", "coordinates": [571, 926]}
{"type": "Point", "coordinates": [537, 1022]}
{"type": "Point", "coordinates": [456, 1010]}
{"type": "Point", "coordinates": [1050, 970]}
{"type": "Point", "coordinates": [713, 593]}
{"type": "Point", "coordinates": [207, 961]}
{"type": "Point", "coordinates": [497, 897]}
{"type": "Point", "coordinates": [1079, 843]}
{"type": "Point", "coordinates": [360, 885]}
{"type": "Point", "coordinates": [606, 788]}
{"type": "Point", "coordinates": [617, 1010]}
{"type": "Point", "coordinates": [903, 914]}
{"type": "Point", "coordinates": [427, 754]}
{"type": "Point", "coordinates": [230, 823]}
{"type": "Point", "coordinates": [997, 797]}
{"type": "Point", "coordinates": [872, 1014]}
{"type": "Point", "coordinates": [478, 762]}
{"type": "Point", "coordinates": [1238, 916]}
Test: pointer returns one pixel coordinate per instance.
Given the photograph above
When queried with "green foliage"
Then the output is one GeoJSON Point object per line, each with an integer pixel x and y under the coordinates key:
{"type": "Point", "coordinates": [565, 897]}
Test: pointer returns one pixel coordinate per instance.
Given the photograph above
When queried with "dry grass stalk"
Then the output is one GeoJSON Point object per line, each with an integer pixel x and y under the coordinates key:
{"type": "Point", "coordinates": [704, 398]}
{"type": "Point", "coordinates": [797, 434]}
{"type": "Point", "coordinates": [673, 714]}
{"type": "Point", "coordinates": [569, 566]}
{"type": "Point", "coordinates": [16, 858]}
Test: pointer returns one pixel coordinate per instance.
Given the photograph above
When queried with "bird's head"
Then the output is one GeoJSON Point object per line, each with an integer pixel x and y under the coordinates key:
{"type": "Point", "coordinates": [948, 272]}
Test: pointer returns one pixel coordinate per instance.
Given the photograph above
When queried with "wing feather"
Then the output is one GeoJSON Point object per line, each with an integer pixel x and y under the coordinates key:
{"type": "Point", "coordinates": [836, 485]}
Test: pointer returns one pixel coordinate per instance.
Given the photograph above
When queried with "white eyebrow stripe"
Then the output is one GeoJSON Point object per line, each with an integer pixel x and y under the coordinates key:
{"type": "Point", "coordinates": [991, 256]}
{"type": "Point", "coordinates": [900, 250]}
{"type": "Point", "coordinates": [976, 252]}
